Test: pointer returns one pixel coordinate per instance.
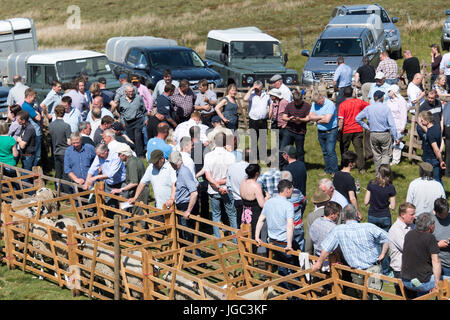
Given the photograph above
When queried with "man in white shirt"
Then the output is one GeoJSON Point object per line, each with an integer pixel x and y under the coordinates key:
{"type": "Point", "coordinates": [415, 93]}
{"type": "Point", "coordinates": [423, 191]}
{"type": "Point", "coordinates": [167, 79]}
{"type": "Point", "coordinates": [235, 175]}
{"type": "Point", "coordinates": [396, 238]}
{"type": "Point", "coordinates": [16, 94]}
{"type": "Point", "coordinates": [277, 82]}
{"type": "Point", "coordinates": [182, 130]}
{"type": "Point", "coordinates": [258, 110]}
{"type": "Point", "coordinates": [444, 68]}
{"type": "Point", "coordinates": [110, 140]}
{"type": "Point", "coordinates": [185, 151]}
{"type": "Point", "coordinates": [216, 164]}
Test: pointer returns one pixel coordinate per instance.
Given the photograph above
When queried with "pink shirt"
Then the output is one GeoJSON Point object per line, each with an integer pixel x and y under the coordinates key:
{"type": "Point", "coordinates": [146, 96]}
{"type": "Point", "coordinates": [399, 109]}
{"type": "Point", "coordinates": [279, 110]}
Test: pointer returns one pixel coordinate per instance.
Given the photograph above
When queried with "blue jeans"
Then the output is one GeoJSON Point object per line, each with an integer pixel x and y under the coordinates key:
{"type": "Point", "coordinates": [445, 274]}
{"type": "Point", "coordinates": [299, 236]}
{"type": "Point", "coordinates": [228, 202]}
{"type": "Point", "coordinates": [299, 139]}
{"type": "Point", "coordinates": [436, 169]}
{"type": "Point", "coordinates": [391, 81]}
{"type": "Point", "coordinates": [421, 290]}
{"type": "Point", "coordinates": [37, 155]}
{"type": "Point", "coordinates": [327, 140]}
{"type": "Point", "coordinates": [27, 162]}
{"type": "Point", "coordinates": [144, 132]}
{"type": "Point", "coordinates": [385, 224]}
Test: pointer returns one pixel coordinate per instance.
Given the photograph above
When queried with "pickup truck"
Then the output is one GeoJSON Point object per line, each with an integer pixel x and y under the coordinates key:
{"type": "Point", "coordinates": [147, 58]}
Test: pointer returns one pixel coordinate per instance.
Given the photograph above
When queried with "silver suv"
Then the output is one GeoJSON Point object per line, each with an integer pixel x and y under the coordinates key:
{"type": "Point", "coordinates": [390, 30]}
{"type": "Point", "coordinates": [445, 39]}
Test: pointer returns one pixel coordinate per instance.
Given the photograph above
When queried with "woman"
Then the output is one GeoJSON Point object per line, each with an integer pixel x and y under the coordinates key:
{"type": "Point", "coordinates": [15, 127]}
{"type": "Point", "coordinates": [440, 87]}
{"type": "Point", "coordinates": [435, 62]}
{"type": "Point", "coordinates": [399, 109]}
{"type": "Point", "coordinates": [227, 108]}
{"type": "Point", "coordinates": [8, 149]}
{"type": "Point", "coordinates": [252, 198]}
{"type": "Point", "coordinates": [380, 196]}
{"type": "Point", "coordinates": [276, 111]}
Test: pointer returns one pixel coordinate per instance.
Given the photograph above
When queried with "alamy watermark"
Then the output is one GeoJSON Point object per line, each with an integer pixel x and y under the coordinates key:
{"type": "Point", "coordinates": [74, 20]}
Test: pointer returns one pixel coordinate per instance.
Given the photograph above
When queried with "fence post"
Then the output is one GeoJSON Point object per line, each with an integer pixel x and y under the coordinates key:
{"type": "Point", "coordinates": [8, 234]}
{"type": "Point", "coordinates": [116, 257]}
{"type": "Point", "coordinates": [71, 247]}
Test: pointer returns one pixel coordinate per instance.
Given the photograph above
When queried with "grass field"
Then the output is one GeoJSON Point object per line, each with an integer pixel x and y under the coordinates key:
{"type": "Point", "coordinates": [189, 21]}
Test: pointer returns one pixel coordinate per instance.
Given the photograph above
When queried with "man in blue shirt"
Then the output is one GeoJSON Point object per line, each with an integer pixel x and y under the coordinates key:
{"type": "Point", "coordinates": [323, 112]}
{"type": "Point", "coordinates": [342, 79]}
{"type": "Point", "coordinates": [78, 159]}
{"type": "Point", "coordinates": [52, 99]}
{"type": "Point", "coordinates": [381, 126]}
{"type": "Point", "coordinates": [158, 142]}
{"type": "Point", "coordinates": [359, 245]}
{"type": "Point", "coordinates": [379, 85]}
{"type": "Point", "coordinates": [35, 120]}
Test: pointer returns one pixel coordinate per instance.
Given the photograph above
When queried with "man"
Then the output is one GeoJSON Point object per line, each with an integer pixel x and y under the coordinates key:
{"type": "Point", "coordinates": [52, 99]}
{"type": "Point", "coordinates": [279, 213]}
{"type": "Point", "coordinates": [160, 85]}
{"type": "Point", "coordinates": [106, 94]}
{"type": "Point", "coordinates": [358, 243]}
{"type": "Point", "coordinates": [423, 191]}
{"type": "Point", "coordinates": [381, 127]}
{"type": "Point", "coordinates": [379, 85]}
{"type": "Point", "coordinates": [215, 166]}
{"type": "Point", "coordinates": [79, 101]}
{"type": "Point", "coordinates": [183, 101]}
{"type": "Point", "coordinates": [323, 113]}
{"type": "Point", "coordinates": [365, 77]}
{"type": "Point", "coordinates": [415, 92]}
{"type": "Point", "coordinates": [296, 167]}
{"type": "Point", "coordinates": [342, 79]}
{"type": "Point", "coordinates": [343, 180]}
{"type": "Point", "coordinates": [444, 68]}
{"type": "Point", "coordinates": [389, 67]}
{"type": "Point", "coordinates": [277, 82]}
{"type": "Point", "coordinates": [435, 107]}
{"type": "Point", "coordinates": [218, 127]}
{"type": "Point", "coordinates": [60, 133]}
{"type": "Point", "coordinates": [271, 177]}
{"type": "Point", "coordinates": [185, 151]}
{"type": "Point", "coordinates": [235, 175]}
{"type": "Point", "coordinates": [72, 116]}
{"type": "Point", "coordinates": [85, 131]}
{"type": "Point", "coordinates": [258, 111]}
{"type": "Point", "coordinates": [411, 65]}
{"type": "Point", "coordinates": [159, 142]}
{"type": "Point", "coordinates": [132, 111]}
{"type": "Point", "coordinates": [97, 102]}
{"type": "Point", "coordinates": [26, 140]}
{"type": "Point", "coordinates": [35, 120]}
{"type": "Point", "coordinates": [182, 130]}
{"type": "Point", "coordinates": [276, 112]}
{"type": "Point", "coordinates": [185, 194]}
{"type": "Point", "coordinates": [148, 102]}
{"type": "Point", "coordinates": [135, 170]}
{"type": "Point", "coordinates": [351, 131]}
{"type": "Point", "coordinates": [396, 239]}
{"type": "Point", "coordinates": [442, 234]}
{"type": "Point", "coordinates": [117, 128]}
{"type": "Point", "coordinates": [78, 158]}
{"type": "Point", "coordinates": [109, 138]}
{"type": "Point", "coordinates": [164, 111]}
{"type": "Point", "coordinates": [95, 119]}
{"type": "Point", "coordinates": [431, 143]}
{"type": "Point", "coordinates": [296, 117]}
{"type": "Point", "coordinates": [421, 266]}
{"type": "Point", "coordinates": [105, 123]}
{"type": "Point", "coordinates": [323, 225]}
{"type": "Point", "coordinates": [120, 92]}
{"type": "Point", "coordinates": [162, 177]}
{"type": "Point", "coordinates": [320, 199]}
{"type": "Point", "coordinates": [16, 94]}
{"type": "Point", "coordinates": [326, 185]}
{"type": "Point", "coordinates": [205, 102]}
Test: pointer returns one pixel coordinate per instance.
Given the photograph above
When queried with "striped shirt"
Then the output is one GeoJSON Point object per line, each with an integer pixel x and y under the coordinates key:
{"type": "Point", "coordinates": [389, 67]}
{"type": "Point", "coordinates": [358, 242]}
{"type": "Point", "coordinates": [269, 181]}
{"type": "Point", "coordinates": [318, 231]}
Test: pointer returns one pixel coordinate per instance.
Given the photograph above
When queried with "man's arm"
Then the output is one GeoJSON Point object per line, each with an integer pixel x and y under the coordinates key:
{"type": "Point", "coordinates": [438, 154]}
{"type": "Point", "coordinates": [359, 119]}
{"type": "Point", "coordinates": [259, 226]}
{"type": "Point", "coordinates": [384, 250]}
{"type": "Point", "coordinates": [289, 233]}
{"type": "Point", "coordinates": [192, 200]}
{"type": "Point", "coordinates": [318, 264]}
{"type": "Point", "coordinates": [436, 262]}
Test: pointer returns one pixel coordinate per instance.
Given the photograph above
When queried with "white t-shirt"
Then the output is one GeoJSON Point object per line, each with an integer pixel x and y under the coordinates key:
{"type": "Point", "coordinates": [445, 64]}
{"type": "Point", "coordinates": [216, 163]}
{"type": "Point", "coordinates": [159, 88]}
{"type": "Point", "coordinates": [188, 162]}
{"type": "Point", "coordinates": [422, 194]}
{"type": "Point", "coordinates": [259, 106]}
{"type": "Point", "coordinates": [161, 180]}
{"type": "Point", "coordinates": [286, 92]}
{"type": "Point", "coordinates": [182, 130]}
{"type": "Point", "coordinates": [413, 92]}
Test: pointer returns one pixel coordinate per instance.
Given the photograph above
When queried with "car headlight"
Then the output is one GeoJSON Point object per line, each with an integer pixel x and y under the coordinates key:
{"type": "Point", "coordinates": [289, 80]}
{"type": "Point", "coordinates": [250, 80]}
{"type": "Point", "coordinates": [218, 82]}
{"type": "Point", "coordinates": [390, 33]}
{"type": "Point", "coordinates": [447, 25]}
{"type": "Point", "coordinates": [307, 74]}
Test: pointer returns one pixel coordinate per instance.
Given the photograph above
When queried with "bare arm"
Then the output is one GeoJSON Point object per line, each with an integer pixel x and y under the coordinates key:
{"type": "Point", "coordinates": [218, 109]}
{"type": "Point", "coordinates": [192, 200]}
{"type": "Point", "coordinates": [436, 262]}
{"type": "Point", "coordinates": [259, 226]}
{"type": "Point", "coordinates": [289, 233]}
{"type": "Point", "coordinates": [367, 198]}
{"type": "Point", "coordinates": [14, 150]}
{"type": "Point", "coordinates": [392, 203]}
{"type": "Point", "coordinates": [318, 264]}
{"type": "Point", "coordinates": [260, 196]}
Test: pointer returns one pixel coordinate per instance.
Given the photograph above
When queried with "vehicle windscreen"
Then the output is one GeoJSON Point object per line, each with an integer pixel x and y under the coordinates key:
{"type": "Point", "coordinates": [383, 15]}
{"type": "Point", "coordinates": [255, 49]}
{"type": "Point", "coordinates": [94, 67]}
{"type": "Point", "coordinates": [175, 59]}
{"type": "Point", "coordinates": [337, 47]}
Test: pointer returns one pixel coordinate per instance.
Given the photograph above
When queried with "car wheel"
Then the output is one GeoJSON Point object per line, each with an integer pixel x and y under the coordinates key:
{"type": "Point", "coordinates": [397, 54]}
{"type": "Point", "coordinates": [444, 45]}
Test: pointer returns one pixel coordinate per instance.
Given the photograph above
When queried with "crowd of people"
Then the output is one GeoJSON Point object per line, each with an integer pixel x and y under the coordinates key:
{"type": "Point", "coordinates": [189, 139]}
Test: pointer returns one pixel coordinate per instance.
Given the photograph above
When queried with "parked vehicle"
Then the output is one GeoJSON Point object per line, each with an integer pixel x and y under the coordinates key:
{"type": "Point", "coordinates": [445, 39]}
{"type": "Point", "coordinates": [352, 37]}
{"type": "Point", "coordinates": [244, 55]}
{"type": "Point", "coordinates": [391, 32]}
{"type": "Point", "coordinates": [148, 57]}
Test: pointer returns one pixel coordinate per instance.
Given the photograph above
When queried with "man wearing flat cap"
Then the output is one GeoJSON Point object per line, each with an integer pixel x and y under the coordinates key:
{"type": "Point", "coordinates": [277, 82]}
{"type": "Point", "coordinates": [382, 129]}
{"type": "Point", "coordinates": [320, 199]}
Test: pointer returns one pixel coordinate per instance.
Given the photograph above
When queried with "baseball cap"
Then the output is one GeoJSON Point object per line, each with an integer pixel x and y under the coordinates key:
{"type": "Point", "coordinates": [134, 79]}
{"type": "Point", "coordinates": [123, 76]}
{"type": "Point", "coordinates": [379, 75]}
{"type": "Point", "coordinates": [378, 94]}
{"type": "Point", "coordinates": [124, 149]}
{"type": "Point", "coordinates": [216, 119]}
{"type": "Point", "coordinates": [155, 156]}
{"type": "Point", "coordinates": [290, 151]}
{"type": "Point", "coordinates": [275, 77]}
{"type": "Point", "coordinates": [102, 80]}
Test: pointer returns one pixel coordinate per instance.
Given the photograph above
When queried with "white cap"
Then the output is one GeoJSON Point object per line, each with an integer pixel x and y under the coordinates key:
{"type": "Point", "coordinates": [276, 93]}
{"type": "Point", "coordinates": [379, 75]}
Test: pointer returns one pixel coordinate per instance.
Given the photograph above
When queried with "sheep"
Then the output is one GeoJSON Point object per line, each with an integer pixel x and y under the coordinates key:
{"type": "Point", "coordinates": [183, 282]}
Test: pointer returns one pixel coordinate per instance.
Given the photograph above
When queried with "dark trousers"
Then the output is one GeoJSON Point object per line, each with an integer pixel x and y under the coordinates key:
{"type": "Point", "coordinates": [134, 132]}
{"type": "Point", "coordinates": [238, 204]}
{"type": "Point", "coordinates": [368, 154]}
{"type": "Point", "coordinates": [152, 124]}
{"type": "Point", "coordinates": [356, 138]}
{"type": "Point", "coordinates": [408, 293]}
{"type": "Point", "coordinates": [299, 139]}
{"type": "Point", "coordinates": [256, 143]}
{"type": "Point", "coordinates": [190, 223]}
{"type": "Point", "coordinates": [59, 174]}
